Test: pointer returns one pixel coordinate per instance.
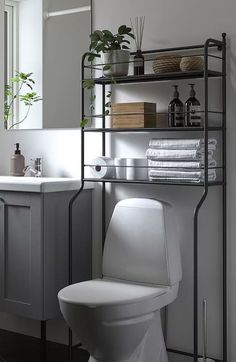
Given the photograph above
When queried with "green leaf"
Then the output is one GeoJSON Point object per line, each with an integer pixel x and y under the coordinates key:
{"type": "Point", "coordinates": [107, 33]}
{"type": "Point", "coordinates": [122, 29]}
{"type": "Point", "coordinates": [23, 76]}
{"type": "Point", "coordinates": [113, 80]}
{"type": "Point", "coordinates": [94, 37]}
{"type": "Point", "coordinates": [84, 122]}
{"type": "Point", "coordinates": [92, 45]}
{"type": "Point", "coordinates": [88, 83]}
{"type": "Point", "coordinates": [15, 80]}
{"type": "Point", "coordinates": [106, 67]}
{"type": "Point", "coordinates": [108, 105]}
{"type": "Point", "coordinates": [107, 112]}
{"type": "Point", "coordinates": [8, 93]}
{"type": "Point", "coordinates": [92, 98]}
{"type": "Point", "coordinates": [126, 41]}
{"type": "Point", "coordinates": [98, 34]}
{"type": "Point", "coordinates": [28, 85]}
{"type": "Point", "coordinates": [131, 35]}
{"type": "Point", "coordinates": [125, 47]}
{"type": "Point", "coordinates": [100, 48]}
{"type": "Point", "coordinates": [91, 57]}
{"type": "Point", "coordinates": [119, 38]}
{"type": "Point", "coordinates": [109, 94]}
{"type": "Point", "coordinates": [128, 29]}
{"type": "Point", "coordinates": [38, 100]}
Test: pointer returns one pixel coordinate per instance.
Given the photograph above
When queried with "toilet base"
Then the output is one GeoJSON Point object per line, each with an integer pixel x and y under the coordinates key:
{"type": "Point", "coordinates": [151, 349]}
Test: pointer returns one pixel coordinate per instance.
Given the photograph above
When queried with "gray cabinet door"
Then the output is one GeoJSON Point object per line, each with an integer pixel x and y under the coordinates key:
{"type": "Point", "coordinates": [34, 250]}
{"type": "Point", "coordinates": [21, 254]}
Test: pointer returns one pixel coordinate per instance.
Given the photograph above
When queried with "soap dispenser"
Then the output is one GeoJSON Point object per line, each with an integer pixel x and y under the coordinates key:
{"type": "Point", "coordinates": [17, 162]}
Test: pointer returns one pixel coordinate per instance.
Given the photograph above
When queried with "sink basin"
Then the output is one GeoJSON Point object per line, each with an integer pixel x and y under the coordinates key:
{"type": "Point", "coordinates": [39, 184]}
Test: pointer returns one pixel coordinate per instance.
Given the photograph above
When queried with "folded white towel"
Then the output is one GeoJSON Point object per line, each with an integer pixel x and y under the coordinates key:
{"type": "Point", "coordinates": [179, 179]}
{"type": "Point", "coordinates": [181, 164]}
{"type": "Point", "coordinates": [195, 176]}
{"type": "Point", "coordinates": [180, 144]}
{"type": "Point", "coordinates": [160, 154]}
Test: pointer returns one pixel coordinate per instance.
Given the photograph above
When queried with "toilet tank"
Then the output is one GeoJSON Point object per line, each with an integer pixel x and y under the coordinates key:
{"type": "Point", "coordinates": [142, 243]}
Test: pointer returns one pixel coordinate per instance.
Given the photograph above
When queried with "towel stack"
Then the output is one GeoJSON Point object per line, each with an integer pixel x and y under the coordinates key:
{"type": "Point", "coordinates": [180, 159]}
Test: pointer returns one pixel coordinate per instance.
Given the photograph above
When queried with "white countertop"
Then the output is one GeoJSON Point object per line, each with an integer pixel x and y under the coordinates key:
{"type": "Point", "coordinates": [40, 184]}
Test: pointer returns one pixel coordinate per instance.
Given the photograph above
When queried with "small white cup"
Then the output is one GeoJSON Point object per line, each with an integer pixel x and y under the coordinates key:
{"type": "Point", "coordinates": [120, 165]}
{"type": "Point", "coordinates": [136, 169]}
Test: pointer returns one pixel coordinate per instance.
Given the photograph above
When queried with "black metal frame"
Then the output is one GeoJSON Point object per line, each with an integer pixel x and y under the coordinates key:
{"type": "Point", "coordinates": [205, 75]}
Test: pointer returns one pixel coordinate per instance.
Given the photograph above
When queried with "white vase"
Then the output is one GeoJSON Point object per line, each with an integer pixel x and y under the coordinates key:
{"type": "Point", "coordinates": [118, 61]}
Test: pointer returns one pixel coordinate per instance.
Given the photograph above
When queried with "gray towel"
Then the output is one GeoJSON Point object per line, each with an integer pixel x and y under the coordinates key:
{"type": "Point", "coordinates": [182, 144]}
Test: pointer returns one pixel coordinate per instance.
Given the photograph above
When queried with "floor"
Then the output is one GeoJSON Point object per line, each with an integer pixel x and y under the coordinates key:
{"type": "Point", "coordinates": [19, 348]}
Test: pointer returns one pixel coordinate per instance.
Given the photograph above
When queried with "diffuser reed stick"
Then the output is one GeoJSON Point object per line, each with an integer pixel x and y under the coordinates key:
{"type": "Point", "coordinates": [138, 29]}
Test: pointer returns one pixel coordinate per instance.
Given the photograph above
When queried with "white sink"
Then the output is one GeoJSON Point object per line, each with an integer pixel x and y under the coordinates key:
{"type": "Point", "coordinates": [39, 184]}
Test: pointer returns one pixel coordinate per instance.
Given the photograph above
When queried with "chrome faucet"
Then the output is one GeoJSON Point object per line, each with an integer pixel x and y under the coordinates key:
{"type": "Point", "coordinates": [35, 169]}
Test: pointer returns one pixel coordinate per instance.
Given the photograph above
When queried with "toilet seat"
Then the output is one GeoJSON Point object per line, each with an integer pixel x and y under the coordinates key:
{"type": "Point", "coordinates": [103, 292]}
{"type": "Point", "coordinates": [117, 298]}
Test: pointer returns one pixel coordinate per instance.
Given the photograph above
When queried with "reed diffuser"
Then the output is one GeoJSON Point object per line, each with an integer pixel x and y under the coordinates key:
{"type": "Point", "coordinates": [138, 28]}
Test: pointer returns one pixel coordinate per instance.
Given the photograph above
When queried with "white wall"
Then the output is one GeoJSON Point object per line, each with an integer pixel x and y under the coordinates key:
{"type": "Point", "coordinates": [167, 24]}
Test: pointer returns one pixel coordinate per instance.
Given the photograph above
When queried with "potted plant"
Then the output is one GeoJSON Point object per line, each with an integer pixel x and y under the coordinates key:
{"type": "Point", "coordinates": [115, 55]}
{"type": "Point", "coordinates": [114, 49]}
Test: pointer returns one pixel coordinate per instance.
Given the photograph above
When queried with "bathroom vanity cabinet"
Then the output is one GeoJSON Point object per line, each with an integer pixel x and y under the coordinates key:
{"type": "Point", "coordinates": [34, 247]}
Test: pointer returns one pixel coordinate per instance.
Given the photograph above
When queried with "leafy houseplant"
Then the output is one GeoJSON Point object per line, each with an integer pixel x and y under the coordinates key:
{"type": "Point", "coordinates": [13, 93]}
{"type": "Point", "coordinates": [115, 55]}
{"type": "Point", "coordinates": [114, 49]}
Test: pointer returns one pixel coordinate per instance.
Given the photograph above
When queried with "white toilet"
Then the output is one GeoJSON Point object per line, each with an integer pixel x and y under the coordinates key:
{"type": "Point", "coordinates": [117, 318]}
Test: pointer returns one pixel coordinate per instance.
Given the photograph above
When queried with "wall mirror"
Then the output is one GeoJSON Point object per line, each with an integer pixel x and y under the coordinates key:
{"type": "Point", "coordinates": [44, 44]}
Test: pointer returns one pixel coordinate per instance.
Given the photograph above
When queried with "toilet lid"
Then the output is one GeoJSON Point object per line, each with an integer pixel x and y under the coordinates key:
{"type": "Point", "coordinates": [101, 292]}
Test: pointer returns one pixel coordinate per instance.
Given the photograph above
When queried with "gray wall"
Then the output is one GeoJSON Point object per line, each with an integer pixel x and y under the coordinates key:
{"type": "Point", "coordinates": [167, 24]}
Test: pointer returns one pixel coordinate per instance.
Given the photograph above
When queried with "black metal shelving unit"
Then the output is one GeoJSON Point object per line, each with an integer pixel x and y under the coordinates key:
{"type": "Point", "coordinates": [219, 48]}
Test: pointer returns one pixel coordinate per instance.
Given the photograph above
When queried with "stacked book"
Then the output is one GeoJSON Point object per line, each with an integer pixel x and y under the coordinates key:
{"type": "Point", "coordinates": [180, 159]}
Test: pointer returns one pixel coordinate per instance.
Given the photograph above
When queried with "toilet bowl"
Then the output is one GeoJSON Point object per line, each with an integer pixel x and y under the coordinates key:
{"type": "Point", "coordinates": [117, 318]}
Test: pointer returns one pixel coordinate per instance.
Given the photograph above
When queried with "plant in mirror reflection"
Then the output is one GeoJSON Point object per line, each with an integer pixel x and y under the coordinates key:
{"type": "Point", "coordinates": [15, 92]}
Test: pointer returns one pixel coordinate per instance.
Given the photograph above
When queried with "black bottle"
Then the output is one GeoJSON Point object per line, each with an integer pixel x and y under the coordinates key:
{"type": "Point", "coordinates": [138, 63]}
{"type": "Point", "coordinates": [176, 110]}
{"type": "Point", "coordinates": [193, 110]}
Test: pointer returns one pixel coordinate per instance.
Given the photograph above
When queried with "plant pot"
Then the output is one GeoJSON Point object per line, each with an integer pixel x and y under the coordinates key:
{"type": "Point", "coordinates": [118, 61]}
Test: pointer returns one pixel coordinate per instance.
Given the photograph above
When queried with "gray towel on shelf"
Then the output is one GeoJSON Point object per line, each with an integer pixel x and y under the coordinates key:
{"type": "Point", "coordinates": [181, 175]}
{"type": "Point", "coordinates": [182, 144]}
{"type": "Point", "coordinates": [181, 164]}
{"type": "Point", "coordinates": [161, 154]}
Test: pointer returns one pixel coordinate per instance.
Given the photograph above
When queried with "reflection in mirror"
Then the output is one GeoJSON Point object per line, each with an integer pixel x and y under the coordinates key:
{"type": "Point", "coordinates": [23, 64]}
{"type": "Point", "coordinates": [44, 44]}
